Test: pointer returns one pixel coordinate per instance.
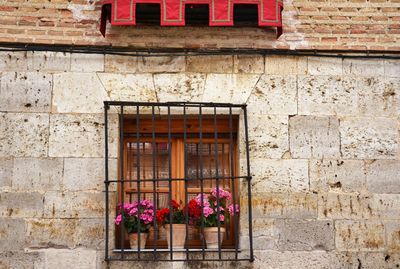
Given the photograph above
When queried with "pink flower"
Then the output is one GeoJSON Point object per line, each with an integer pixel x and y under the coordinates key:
{"type": "Point", "coordinates": [207, 211]}
{"type": "Point", "coordinates": [118, 219]}
{"type": "Point", "coordinates": [221, 217]}
{"type": "Point", "coordinates": [133, 211]}
{"type": "Point", "coordinates": [221, 194]}
{"type": "Point", "coordinates": [231, 209]}
{"type": "Point", "coordinates": [203, 197]}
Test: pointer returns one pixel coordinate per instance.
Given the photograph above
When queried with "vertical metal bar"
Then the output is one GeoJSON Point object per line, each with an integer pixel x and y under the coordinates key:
{"type": "Point", "coordinates": [217, 179]}
{"type": "Point", "coordinates": [154, 182]}
{"type": "Point", "coordinates": [248, 183]}
{"type": "Point", "coordinates": [138, 172]}
{"type": "Point", "coordinates": [170, 182]}
{"type": "Point", "coordinates": [107, 183]}
{"type": "Point", "coordinates": [235, 217]}
{"type": "Point", "coordinates": [201, 181]}
{"type": "Point", "coordinates": [122, 144]}
{"type": "Point", "coordinates": [185, 181]}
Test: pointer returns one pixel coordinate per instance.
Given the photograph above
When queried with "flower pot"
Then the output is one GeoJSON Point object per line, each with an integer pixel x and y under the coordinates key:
{"type": "Point", "coordinates": [178, 235]}
{"type": "Point", "coordinates": [133, 240]}
{"type": "Point", "coordinates": [211, 236]}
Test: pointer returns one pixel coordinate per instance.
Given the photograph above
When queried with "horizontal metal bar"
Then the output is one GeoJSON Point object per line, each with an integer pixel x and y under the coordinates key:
{"type": "Point", "coordinates": [162, 250]}
{"type": "Point", "coordinates": [172, 104]}
{"type": "Point", "coordinates": [179, 260]}
{"type": "Point", "coordinates": [177, 179]}
{"type": "Point", "coordinates": [189, 135]}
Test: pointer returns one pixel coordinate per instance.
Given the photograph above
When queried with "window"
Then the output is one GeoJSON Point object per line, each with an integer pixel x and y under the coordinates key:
{"type": "Point", "coordinates": [177, 156]}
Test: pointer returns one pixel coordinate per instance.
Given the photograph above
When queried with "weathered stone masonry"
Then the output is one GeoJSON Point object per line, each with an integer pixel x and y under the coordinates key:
{"type": "Point", "coordinates": [325, 154]}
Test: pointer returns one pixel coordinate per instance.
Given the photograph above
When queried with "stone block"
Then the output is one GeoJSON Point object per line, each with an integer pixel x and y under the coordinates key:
{"type": "Point", "coordinates": [293, 259]}
{"type": "Point", "coordinates": [253, 64]}
{"type": "Point", "coordinates": [314, 137]}
{"type": "Point", "coordinates": [37, 174]}
{"type": "Point", "coordinates": [229, 88]}
{"type": "Point", "coordinates": [328, 95]}
{"type": "Point", "coordinates": [384, 206]}
{"type": "Point", "coordinates": [79, 258]}
{"type": "Point", "coordinates": [51, 61]}
{"type": "Point", "coordinates": [81, 135]}
{"type": "Point", "coordinates": [359, 235]}
{"type": "Point", "coordinates": [21, 204]}
{"type": "Point", "coordinates": [393, 236]}
{"type": "Point", "coordinates": [25, 92]}
{"type": "Point", "coordinates": [383, 176]}
{"type": "Point", "coordinates": [65, 233]}
{"type": "Point", "coordinates": [274, 95]}
{"type": "Point", "coordinates": [120, 64]}
{"type": "Point", "coordinates": [279, 175]}
{"type": "Point", "coordinates": [268, 136]}
{"type": "Point", "coordinates": [129, 87]}
{"type": "Point", "coordinates": [265, 234]}
{"type": "Point", "coordinates": [338, 95]}
{"type": "Point", "coordinates": [325, 66]}
{"type": "Point", "coordinates": [337, 175]}
{"type": "Point", "coordinates": [179, 87]}
{"type": "Point", "coordinates": [87, 173]}
{"type": "Point", "coordinates": [210, 64]}
{"type": "Point", "coordinates": [74, 205]}
{"type": "Point", "coordinates": [369, 138]}
{"type": "Point", "coordinates": [24, 134]}
{"type": "Point", "coordinates": [379, 96]}
{"type": "Point", "coordinates": [366, 259]}
{"type": "Point", "coordinates": [12, 234]}
{"type": "Point", "coordinates": [333, 205]}
{"type": "Point", "coordinates": [280, 205]}
{"type": "Point", "coordinates": [295, 234]}
{"type": "Point", "coordinates": [90, 233]}
{"type": "Point", "coordinates": [392, 68]}
{"type": "Point", "coordinates": [50, 233]}
{"type": "Point", "coordinates": [81, 62]}
{"type": "Point", "coordinates": [16, 61]}
{"type": "Point", "coordinates": [6, 168]}
{"type": "Point", "coordinates": [161, 64]}
{"type": "Point", "coordinates": [21, 259]}
{"type": "Point", "coordinates": [363, 67]}
{"type": "Point", "coordinates": [71, 95]}
{"type": "Point", "coordinates": [285, 65]}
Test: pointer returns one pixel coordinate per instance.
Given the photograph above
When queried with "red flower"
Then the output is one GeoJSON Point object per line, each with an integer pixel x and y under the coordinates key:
{"type": "Point", "coordinates": [194, 210]}
{"type": "Point", "coordinates": [175, 204]}
{"type": "Point", "coordinates": [162, 214]}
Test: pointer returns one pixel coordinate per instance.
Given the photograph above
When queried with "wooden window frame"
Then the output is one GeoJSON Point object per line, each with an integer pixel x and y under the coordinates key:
{"type": "Point", "coordinates": [178, 160]}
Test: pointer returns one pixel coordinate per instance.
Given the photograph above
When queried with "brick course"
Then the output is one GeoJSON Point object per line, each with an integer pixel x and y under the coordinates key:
{"type": "Point", "coordinates": [355, 25]}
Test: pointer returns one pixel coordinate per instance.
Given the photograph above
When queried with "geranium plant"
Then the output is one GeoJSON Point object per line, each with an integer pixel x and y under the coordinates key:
{"type": "Point", "coordinates": [136, 213]}
{"type": "Point", "coordinates": [211, 212]}
{"type": "Point", "coordinates": [179, 214]}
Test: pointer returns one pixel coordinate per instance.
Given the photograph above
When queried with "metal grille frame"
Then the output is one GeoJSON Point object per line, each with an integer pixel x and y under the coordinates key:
{"type": "Point", "coordinates": [170, 254]}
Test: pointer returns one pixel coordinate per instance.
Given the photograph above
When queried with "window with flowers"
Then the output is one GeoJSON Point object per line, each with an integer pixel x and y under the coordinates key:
{"type": "Point", "coordinates": [178, 186]}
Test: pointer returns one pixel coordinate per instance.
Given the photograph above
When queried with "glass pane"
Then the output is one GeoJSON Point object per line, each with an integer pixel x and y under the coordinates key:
{"type": "Point", "coordinates": [150, 167]}
{"type": "Point", "coordinates": [202, 163]}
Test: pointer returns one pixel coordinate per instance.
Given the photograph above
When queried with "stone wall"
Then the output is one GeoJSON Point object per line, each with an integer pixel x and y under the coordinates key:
{"type": "Point", "coordinates": [325, 154]}
{"type": "Point", "coordinates": [307, 24]}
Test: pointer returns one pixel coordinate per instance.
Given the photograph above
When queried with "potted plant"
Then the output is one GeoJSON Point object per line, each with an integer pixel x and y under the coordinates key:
{"type": "Point", "coordinates": [137, 218]}
{"type": "Point", "coordinates": [177, 225]}
{"type": "Point", "coordinates": [212, 214]}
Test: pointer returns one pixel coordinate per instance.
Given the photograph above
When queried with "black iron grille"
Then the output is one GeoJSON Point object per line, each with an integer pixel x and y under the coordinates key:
{"type": "Point", "coordinates": [149, 160]}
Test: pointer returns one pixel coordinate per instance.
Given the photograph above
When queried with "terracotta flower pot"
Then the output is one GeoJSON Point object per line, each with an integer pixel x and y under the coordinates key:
{"type": "Point", "coordinates": [133, 240]}
{"type": "Point", "coordinates": [178, 235]}
{"type": "Point", "coordinates": [211, 236]}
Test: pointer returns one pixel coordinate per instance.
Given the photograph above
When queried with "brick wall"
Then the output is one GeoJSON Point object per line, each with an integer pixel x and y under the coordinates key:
{"type": "Point", "coordinates": [325, 153]}
{"type": "Point", "coordinates": [313, 24]}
